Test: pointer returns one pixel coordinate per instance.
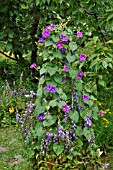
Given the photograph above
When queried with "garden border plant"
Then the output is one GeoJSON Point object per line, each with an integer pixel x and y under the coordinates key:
{"type": "Point", "coordinates": [59, 131]}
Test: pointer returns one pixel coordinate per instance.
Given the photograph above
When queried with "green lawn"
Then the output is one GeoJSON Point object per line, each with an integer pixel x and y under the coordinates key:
{"type": "Point", "coordinates": [11, 151]}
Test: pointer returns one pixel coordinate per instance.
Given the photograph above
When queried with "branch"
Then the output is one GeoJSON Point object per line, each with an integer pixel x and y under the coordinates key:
{"type": "Point", "coordinates": [7, 55]}
{"type": "Point", "coordinates": [85, 10]}
{"type": "Point", "coordinates": [96, 18]}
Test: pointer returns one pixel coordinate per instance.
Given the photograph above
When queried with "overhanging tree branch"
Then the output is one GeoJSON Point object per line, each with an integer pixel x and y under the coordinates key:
{"type": "Point", "coordinates": [94, 14]}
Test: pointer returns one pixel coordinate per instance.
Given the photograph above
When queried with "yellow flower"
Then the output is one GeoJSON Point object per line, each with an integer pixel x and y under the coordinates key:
{"type": "Point", "coordinates": [104, 119]}
{"type": "Point", "coordinates": [11, 110]}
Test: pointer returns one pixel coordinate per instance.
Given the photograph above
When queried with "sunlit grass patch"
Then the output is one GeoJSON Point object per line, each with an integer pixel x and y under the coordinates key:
{"type": "Point", "coordinates": [11, 151]}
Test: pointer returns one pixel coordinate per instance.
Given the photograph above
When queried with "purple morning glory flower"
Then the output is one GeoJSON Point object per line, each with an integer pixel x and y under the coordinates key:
{"type": "Point", "coordinates": [63, 50]}
{"type": "Point", "coordinates": [48, 87]}
{"type": "Point", "coordinates": [82, 57]}
{"type": "Point", "coordinates": [45, 33]}
{"type": "Point", "coordinates": [47, 27]}
{"type": "Point", "coordinates": [41, 117]}
{"type": "Point", "coordinates": [79, 75]}
{"type": "Point", "coordinates": [41, 40]}
{"type": "Point", "coordinates": [63, 38]}
{"type": "Point", "coordinates": [59, 44]}
{"type": "Point", "coordinates": [66, 68]}
{"type": "Point", "coordinates": [66, 108]}
{"type": "Point", "coordinates": [79, 34]}
{"type": "Point", "coordinates": [51, 88]}
{"type": "Point", "coordinates": [33, 65]}
{"type": "Point", "coordinates": [85, 97]}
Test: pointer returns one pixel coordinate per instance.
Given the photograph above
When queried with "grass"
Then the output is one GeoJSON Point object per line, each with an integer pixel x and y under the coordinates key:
{"type": "Point", "coordinates": [108, 158]}
{"type": "Point", "coordinates": [11, 151]}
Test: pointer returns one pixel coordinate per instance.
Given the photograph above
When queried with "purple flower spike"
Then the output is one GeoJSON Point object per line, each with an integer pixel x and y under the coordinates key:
{"type": "Point", "coordinates": [72, 53]}
{"type": "Point", "coordinates": [91, 139]}
{"type": "Point", "coordinates": [81, 107]}
{"type": "Point", "coordinates": [106, 166]}
{"type": "Point", "coordinates": [63, 38]}
{"type": "Point", "coordinates": [79, 34]}
{"type": "Point", "coordinates": [66, 108]}
{"type": "Point", "coordinates": [85, 97]}
{"type": "Point", "coordinates": [88, 121]}
{"type": "Point", "coordinates": [66, 68]}
{"type": "Point", "coordinates": [41, 117]}
{"type": "Point", "coordinates": [63, 79]}
{"type": "Point", "coordinates": [59, 44]}
{"type": "Point", "coordinates": [82, 57]}
{"type": "Point", "coordinates": [45, 33]}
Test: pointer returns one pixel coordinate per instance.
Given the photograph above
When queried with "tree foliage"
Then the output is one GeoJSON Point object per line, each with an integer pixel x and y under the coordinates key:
{"type": "Point", "coordinates": [21, 22]}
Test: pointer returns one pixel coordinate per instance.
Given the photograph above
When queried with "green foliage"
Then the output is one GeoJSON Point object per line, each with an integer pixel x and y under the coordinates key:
{"type": "Point", "coordinates": [14, 92]}
{"type": "Point", "coordinates": [21, 23]}
{"type": "Point", "coordinates": [104, 129]}
{"type": "Point", "coordinates": [21, 36]}
{"type": "Point", "coordinates": [51, 138]}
